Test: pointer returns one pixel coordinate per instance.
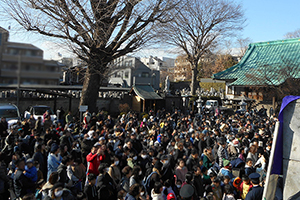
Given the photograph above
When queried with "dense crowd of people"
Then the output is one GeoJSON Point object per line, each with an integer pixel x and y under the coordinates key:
{"type": "Point", "coordinates": [164, 155]}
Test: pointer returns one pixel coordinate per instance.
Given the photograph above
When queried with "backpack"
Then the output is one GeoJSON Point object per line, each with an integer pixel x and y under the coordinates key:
{"type": "Point", "coordinates": [147, 183]}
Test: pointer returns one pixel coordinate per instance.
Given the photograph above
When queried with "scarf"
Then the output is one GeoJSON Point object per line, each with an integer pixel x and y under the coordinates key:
{"type": "Point", "coordinates": [209, 156]}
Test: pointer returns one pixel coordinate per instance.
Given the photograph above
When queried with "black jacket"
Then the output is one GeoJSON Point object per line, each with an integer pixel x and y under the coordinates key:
{"type": "Point", "coordinates": [106, 189]}
{"type": "Point", "coordinates": [62, 172]}
{"type": "Point", "coordinates": [198, 183]}
{"type": "Point", "coordinates": [22, 184]}
{"type": "Point", "coordinates": [191, 162]}
{"type": "Point", "coordinates": [90, 192]}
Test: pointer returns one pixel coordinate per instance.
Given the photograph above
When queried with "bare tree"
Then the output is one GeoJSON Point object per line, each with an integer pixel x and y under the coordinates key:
{"type": "Point", "coordinates": [294, 34]}
{"type": "Point", "coordinates": [98, 31]}
{"type": "Point", "coordinates": [198, 25]}
{"type": "Point", "coordinates": [243, 45]}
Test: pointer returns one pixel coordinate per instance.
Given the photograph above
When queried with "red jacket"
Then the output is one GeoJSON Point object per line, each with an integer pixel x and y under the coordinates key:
{"type": "Point", "coordinates": [94, 162]}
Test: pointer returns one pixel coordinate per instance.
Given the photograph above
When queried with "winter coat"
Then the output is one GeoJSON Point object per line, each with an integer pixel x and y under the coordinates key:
{"type": "Point", "coordinates": [94, 161]}
{"type": "Point", "coordinates": [22, 184]}
{"type": "Point", "coordinates": [53, 163]}
{"type": "Point", "coordinates": [62, 172]}
{"type": "Point", "coordinates": [191, 162]}
{"type": "Point", "coordinates": [181, 172]}
{"type": "Point", "coordinates": [106, 188]}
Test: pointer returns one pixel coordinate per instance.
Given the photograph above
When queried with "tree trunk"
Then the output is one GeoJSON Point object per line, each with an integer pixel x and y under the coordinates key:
{"type": "Point", "coordinates": [194, 83]}
{"type": "Point", "coordinates": [90, 89]}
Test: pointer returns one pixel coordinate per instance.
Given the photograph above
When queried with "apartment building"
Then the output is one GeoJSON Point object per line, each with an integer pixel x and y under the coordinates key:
{"type": "Point", "coordinates": [25, 61]}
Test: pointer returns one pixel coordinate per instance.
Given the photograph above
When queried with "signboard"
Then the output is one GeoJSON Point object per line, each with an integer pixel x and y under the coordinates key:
{"type": "Point", "coordinates": [83, 108]}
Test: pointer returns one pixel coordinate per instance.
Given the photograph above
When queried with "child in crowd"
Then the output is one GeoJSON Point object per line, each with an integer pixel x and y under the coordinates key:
{"type": "Point", "coordinates": [249, 169]}
{"type": "Point", "coordinates": [30, 170]}
{"type": "Point", "coordinates": [243, 186]}
{"type": "Point", "coordinates": [40, 175]}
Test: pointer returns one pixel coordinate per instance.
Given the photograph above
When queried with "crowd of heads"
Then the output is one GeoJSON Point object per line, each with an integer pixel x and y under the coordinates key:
{"type": "Point", "coordinates": [161, 155]}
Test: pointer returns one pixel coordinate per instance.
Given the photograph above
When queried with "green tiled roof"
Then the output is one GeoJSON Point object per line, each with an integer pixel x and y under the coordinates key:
{"type": "Point", "coordinates": [265, 63]}
{"type": "Point", "coordinates": [146, 92]}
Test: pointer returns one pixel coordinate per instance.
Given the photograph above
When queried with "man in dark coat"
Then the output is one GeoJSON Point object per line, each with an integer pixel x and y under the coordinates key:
{"type": "Point", "coordinates": [22, 184]}
{"type": "Point", "coordinates": [192, 160]}
{"type": "Point", "coordinates": [198, 182]}
{"type": "Point", "coordinates": [106, 187]}
{"type": "Point", "coordinates": [256, 192]}
{"type": "Point", "coordinates": [62, 169]}
{"type": "Point", "coordinates": [90, 190]}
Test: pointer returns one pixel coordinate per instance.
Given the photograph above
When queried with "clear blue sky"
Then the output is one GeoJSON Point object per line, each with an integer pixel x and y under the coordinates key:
{"type": "Point", "coordinates": [266, 20]}
{"type": "Point", "coordinates": [270, 19]}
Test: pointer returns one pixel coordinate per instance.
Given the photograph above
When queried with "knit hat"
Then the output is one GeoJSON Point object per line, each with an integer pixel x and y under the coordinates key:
{"type": "Point", "coordinates": [226, 162]}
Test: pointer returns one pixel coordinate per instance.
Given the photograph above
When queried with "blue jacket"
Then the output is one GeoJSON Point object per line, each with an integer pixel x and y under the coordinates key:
{"type": "Point", "coordinates": [226, 172]}
{"type": "Point", "coordinates": [52, 164]}
{"type": "Point", "coordinates": [31, 173]}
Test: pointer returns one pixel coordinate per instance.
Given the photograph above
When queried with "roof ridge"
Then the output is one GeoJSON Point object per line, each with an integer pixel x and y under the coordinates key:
{"type": "Point", "coordinates": [289, 40]}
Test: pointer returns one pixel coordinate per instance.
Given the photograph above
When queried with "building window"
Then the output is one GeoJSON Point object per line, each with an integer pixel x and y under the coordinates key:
{"type": "Point", "coordinates": [145, 74]}
{"type": "Point", "coordinates": [126, 75]}
{"type": "Point", "coordinates": [14, 51]}
{"type": "Point", "coordinates": [130, 63]}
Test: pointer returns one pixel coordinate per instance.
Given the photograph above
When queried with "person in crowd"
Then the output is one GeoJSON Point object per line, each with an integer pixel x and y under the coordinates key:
{"type": "Point", "coordinates": [30, 170]}
{"type": "Point", "coordinates": [136, 174]}
{"type": "Point", "coordinates": [181, 170]}
{"type": "Point", "coordinates": [156, 192]}
{"type": "Point", "coordinates": [217, 189]}
{"type": "Point", "coordinates": [22, 184]}
{"type": "Point", "coordinates": [90, 190]}
{"type": "Point", "coordinates": [134, 192]}
{"type": "Point", "coordinates": [58, 192]}
{"type": "Point", "coordinates": [94, 158]}
{"type": "Point", "coordinates": [257, 191]}
{"type": "Point", "coordinates": [208, 160]}
{"type": "Point", "coordinates": [228, 193]}
{"type": "Point", "coordinates": [106, 188]}
{"type": "Point", "coordinates": [47, 187]}
{"type": "Point", "coordinates": [54, 159]}
{"type": "Point", "coordinates": [192, 160]}
{"type": "Point", "coordinates": [243, 186]}
{"type": "Point", "coordinates": [127, 171]}
{"type": "Point", "coordinates": [252, 154]}
{"type": "Point", "coordinates": [249, 169]}
{"type": "Point", "coordinates": [114, 170]}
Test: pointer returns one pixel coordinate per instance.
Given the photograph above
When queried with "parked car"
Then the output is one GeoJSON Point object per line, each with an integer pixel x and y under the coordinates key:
{"type": "Point", "coordinates": [211, 104]}
{"type": "Point", "coordinates": [38, 111]}
{"type": "Point", "coordinates": [11, 113]}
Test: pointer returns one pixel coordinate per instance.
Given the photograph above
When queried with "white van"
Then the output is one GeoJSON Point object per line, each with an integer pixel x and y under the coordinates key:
{"type": "Point", "coordinates": [211, 104]}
